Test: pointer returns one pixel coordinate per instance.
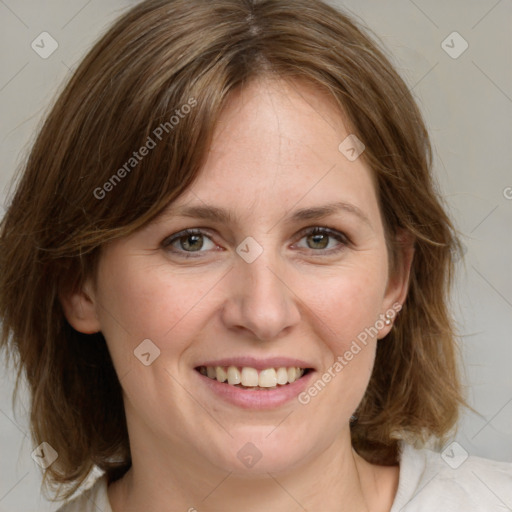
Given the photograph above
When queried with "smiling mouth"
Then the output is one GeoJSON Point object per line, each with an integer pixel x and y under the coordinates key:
{"type": "Point", "coordinates": [250, 378]}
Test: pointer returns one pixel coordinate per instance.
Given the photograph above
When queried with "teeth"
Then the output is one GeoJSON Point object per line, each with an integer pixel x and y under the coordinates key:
{"type": "Point", "coordinates": [282, 376]}
{"type": "Point", "coordinates": [221, 375]}
{"type": "Point", "coordinates": [250, 377]}
{"type": "Point", "coordinates": [267, 378]}
{"type": "Point", "coordinates": [234, 376]}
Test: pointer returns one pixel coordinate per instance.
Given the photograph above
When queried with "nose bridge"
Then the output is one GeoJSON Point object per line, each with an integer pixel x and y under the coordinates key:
{"type": "Point", "coordinates": [262, 301]}
{"type": "Point", "coordinates": [262, 279]}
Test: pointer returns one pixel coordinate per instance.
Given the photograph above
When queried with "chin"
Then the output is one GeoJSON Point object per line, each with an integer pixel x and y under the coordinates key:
{"type": "Point", "coordinates": [260, 453]}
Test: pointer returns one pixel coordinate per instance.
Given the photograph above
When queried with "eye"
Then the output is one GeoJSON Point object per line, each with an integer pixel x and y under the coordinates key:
{"type": "Point", "coordinates": [188, 241]}
{"type": "Point", "coordinates": [317, 238]}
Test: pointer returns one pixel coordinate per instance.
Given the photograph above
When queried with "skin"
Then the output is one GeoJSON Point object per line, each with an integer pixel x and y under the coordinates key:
{"type": "Point", "coordinates": [275, 151]}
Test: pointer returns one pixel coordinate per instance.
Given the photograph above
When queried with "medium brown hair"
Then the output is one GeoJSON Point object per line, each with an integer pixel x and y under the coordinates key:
{"type": "Point", "coordinates": [158, 57]}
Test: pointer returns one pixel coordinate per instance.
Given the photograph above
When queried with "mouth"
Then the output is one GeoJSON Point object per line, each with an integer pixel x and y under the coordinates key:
{"type": "Point", "coordinates": [247, 377]}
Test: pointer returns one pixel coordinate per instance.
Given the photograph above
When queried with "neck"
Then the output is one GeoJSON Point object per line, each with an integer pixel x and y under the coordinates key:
{"type": "Point", "coordinates": [336, 479]}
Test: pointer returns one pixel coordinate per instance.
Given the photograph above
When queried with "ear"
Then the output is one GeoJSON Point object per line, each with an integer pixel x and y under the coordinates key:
{"type": "Point", "coordinates": [398, 282]}
{"type": "Point", "coordinates": [78, 303]}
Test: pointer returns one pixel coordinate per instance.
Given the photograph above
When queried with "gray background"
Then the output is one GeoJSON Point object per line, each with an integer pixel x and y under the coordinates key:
{"type": "Point", "coordinates": [467, 102]}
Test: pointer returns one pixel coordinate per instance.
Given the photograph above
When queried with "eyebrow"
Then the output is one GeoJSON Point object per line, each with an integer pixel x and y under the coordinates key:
{"type": "Point", "coordinates": [214, 213]}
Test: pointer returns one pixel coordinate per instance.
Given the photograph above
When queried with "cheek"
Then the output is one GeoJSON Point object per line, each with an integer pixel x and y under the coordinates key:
{"type": "Point", "coordinates": [347, 306]}
{"type": "Point", "coordinates": [347, 310]}
{"type": "Point", "coordinates": [142, 300]}
{"type": "Point", "coordinates": [347, 302]}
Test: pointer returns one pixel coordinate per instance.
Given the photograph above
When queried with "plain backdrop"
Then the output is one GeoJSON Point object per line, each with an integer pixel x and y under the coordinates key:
{"type": "Point", "coordinates": [466, 97]}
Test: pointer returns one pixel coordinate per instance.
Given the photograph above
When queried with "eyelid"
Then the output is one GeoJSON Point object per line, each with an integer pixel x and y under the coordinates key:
{"type": "Point", "coordinates": [185, 232]}
{"type": "Point", "coordinates": [326, 230]}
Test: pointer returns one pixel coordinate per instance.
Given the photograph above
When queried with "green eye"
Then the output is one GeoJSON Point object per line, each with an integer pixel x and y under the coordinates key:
{"type": "Point", "coordinates": [319, 238]}
{"type": "Point", "coordinates": [195, 242]}
{"type": "Point", "coordinates": [188, 241]}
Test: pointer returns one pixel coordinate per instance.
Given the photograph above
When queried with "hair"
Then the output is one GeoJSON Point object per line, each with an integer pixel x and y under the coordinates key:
{"type": "Point", "coordinates": [72, 198]}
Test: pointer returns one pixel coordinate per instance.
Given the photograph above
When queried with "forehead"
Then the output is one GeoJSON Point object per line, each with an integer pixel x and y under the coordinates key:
{"type": "Point", "coordinates": [276, 145]}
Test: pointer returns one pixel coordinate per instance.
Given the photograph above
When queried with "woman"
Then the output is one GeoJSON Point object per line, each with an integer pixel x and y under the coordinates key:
{"type": "Point", "coordinates": [226, 270]}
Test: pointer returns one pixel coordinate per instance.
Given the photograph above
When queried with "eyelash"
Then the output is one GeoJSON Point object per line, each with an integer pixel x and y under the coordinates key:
{"type": "Point", "coordinates": [341, 237]}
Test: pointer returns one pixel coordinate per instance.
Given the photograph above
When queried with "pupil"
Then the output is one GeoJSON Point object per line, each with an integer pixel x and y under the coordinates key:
{"type": "Point", "coordinates": [320, 236]}
{"type": "Point", "coordinates": [195, 238]}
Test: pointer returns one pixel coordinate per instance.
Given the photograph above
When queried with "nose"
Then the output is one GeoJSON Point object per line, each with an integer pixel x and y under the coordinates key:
{"type": "Point", "coordinates": [261, 298]}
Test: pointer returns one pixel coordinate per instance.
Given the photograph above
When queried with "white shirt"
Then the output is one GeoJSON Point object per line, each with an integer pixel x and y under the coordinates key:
{"type": "Point", "coordinates": [428, 482]}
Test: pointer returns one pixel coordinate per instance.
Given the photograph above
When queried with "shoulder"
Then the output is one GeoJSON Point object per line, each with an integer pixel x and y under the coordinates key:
{"type": "Point", "coordinates": [451, 481]}
{"type": "Point", "coordinates": [93, 499]}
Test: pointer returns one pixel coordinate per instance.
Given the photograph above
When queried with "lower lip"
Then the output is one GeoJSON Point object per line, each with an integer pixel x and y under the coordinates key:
{"type": "Point", "coordinates": [257, 399]}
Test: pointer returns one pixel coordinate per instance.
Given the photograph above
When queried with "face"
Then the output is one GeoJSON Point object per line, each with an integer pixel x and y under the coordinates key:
{"type": "Point", "coordinates": [271, 284]}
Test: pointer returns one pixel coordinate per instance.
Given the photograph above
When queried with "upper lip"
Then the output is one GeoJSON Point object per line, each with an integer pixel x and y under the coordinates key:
{"type": "Point", "coordinates": [258, 364]}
